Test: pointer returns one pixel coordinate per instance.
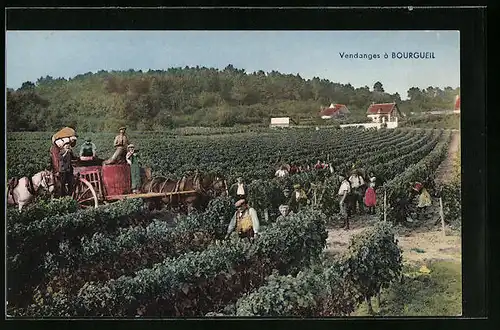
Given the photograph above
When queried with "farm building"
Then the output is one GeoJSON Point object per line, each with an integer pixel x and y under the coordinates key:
{"type": "Point", "coordinates": [281, 122]}
{"type": "Point", "coordinates": [457, 104]}
{"type": "Point", "coordinates": [334, 111]}
{"type": "Point", "coordinates": [384, 112]}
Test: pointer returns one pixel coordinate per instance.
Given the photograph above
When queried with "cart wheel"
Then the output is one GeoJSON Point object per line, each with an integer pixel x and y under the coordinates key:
{"type": "Point", "coordinates": [84, 194]}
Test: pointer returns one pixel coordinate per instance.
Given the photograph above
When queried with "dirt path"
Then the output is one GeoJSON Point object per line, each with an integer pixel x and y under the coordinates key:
{"type": "Point", "coordinates": [425, 241]}
{"type": "Point", "coordinates": [445, 170]}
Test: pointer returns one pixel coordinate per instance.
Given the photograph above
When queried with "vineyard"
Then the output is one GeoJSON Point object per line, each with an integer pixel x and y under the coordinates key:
{"type": "Point", "coordinates": [125, 260]}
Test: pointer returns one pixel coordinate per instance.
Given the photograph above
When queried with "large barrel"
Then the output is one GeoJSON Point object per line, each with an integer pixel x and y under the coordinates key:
{"type": "Point", "coordinates": [116, 179]}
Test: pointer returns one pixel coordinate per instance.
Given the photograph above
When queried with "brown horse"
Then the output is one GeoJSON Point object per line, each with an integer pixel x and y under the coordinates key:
{"type": "Point", "coordinates": [193, 191]}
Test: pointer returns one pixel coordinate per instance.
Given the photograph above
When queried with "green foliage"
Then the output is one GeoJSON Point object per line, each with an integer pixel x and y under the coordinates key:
{"type": "Point", "coordinates": [372, 261]}
{"type": "Point", "coordinates": [40, 210]}
{"type": "Point", "coordinates": [28, 242]}
{"type": "Point", "coordinates": [450, 121]}
{"type": "Point", "coordinates": [196, 282]}
{"type": "Point", "coordinates": [420, 171]}
{"type": "Point", "coordinates": [192, 96]}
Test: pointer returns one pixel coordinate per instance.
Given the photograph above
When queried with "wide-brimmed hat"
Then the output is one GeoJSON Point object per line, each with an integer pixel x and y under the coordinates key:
{"type": "Point", "coordinates": [240, 202]}
{"type": "Point", "coordinates": [296, 186]}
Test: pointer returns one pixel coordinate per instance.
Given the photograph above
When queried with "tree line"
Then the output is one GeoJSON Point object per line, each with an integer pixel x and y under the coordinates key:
{"type": "Point", "coordinates": [193, 96]}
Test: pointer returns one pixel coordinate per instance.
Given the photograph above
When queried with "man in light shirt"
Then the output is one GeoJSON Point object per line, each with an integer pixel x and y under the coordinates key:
{"type": "Point", "coordinates": [245, 221]}
{"type": "Point", "coordinates": [238, 190]}
{"type": "Point", "coordinates": [343, 195]}
{"type": "Point", "coordinates": [357, 184]}
{"type": "Point", "coordinates": [282, 172]}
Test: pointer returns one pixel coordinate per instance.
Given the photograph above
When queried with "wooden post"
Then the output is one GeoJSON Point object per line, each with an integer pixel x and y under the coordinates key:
{"type": "Point", "coordinates": [441, 213]}
{"type": "Point", "coordinates": [385, 206]}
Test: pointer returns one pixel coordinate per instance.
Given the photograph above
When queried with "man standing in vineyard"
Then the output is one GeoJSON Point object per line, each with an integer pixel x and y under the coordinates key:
{"type": "Point", "coordinates": [282, 172]}
{"type": "Point", "coordinates": [245, 220]}
{"type": "Point", "coordinates": [121, 142]}
{"type": "Point", "coordinates": [298, 199]}
{"type": "Point", "coordinates": [357, 184]}
{"type": "Point", "coordinates": [238, 190]}
{"type": "Point", "coordinates": [343, 195]}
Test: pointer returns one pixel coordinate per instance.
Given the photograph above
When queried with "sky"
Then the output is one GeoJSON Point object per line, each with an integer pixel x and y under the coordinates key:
{"type": "Point", "coordinates": [34, 54]}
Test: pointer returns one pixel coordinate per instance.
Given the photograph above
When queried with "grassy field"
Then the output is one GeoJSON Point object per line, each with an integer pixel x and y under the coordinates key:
{"type": "Point", "coordinates": [438, 293]}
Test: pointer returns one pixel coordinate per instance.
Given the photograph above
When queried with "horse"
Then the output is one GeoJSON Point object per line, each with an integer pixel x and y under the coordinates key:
{"type": "Point", "coordinates": [203, 187]}
{"type": "Point", "coordinates": [23, 191]}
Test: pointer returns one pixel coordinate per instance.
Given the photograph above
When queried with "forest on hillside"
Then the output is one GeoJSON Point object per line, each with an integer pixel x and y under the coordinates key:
{"type": "Point", "coordinates": [193, 96]}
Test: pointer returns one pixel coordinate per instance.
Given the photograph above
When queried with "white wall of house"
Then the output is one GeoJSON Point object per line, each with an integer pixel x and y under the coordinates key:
{"type": "Point", "coordinates": [280, 122]}
{"type": "Point", "coordinates": [390, 124]}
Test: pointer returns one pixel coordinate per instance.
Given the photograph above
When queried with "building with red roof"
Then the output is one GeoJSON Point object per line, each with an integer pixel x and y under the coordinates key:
{"type": "Point", "coordinates": [334, 111]}
{"type": "Point", "coordinates": [382, 112]}
{"type": "Point", "coordinates": [457, 103]}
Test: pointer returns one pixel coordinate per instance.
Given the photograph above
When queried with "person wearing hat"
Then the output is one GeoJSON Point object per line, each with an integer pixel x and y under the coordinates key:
{"type": "Point", "coordinates": [66, 156]}
{"type": "Point", "coordinates": [135, 170]}
{"type": "Point", "coordinates": [244, 220]}
{"type": "Point", "coordinates": [238, 190]}
{"type": "Point", "coordinates": [120, 143]}
{"type": "Point", "coordinates": [298, 199]}
{"type": "Point", "coordinates": [88, 148]}
{"type": "Point", "coordinates": [424, 198]}
{"type": "Point", "coordinates": [284, 212]}
{"type": "Point", "coordinates": [343, 196]}
{"type": "Point", "coordinates": [357, 184]}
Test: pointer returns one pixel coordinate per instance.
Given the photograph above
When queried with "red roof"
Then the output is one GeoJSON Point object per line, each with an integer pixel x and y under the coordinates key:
{"type": "Point", "coordinates": [457, 103]}
{"type": "Point", "coordinates": [332, 110]}
{"type": "Point", "coordinates": [384, 108]}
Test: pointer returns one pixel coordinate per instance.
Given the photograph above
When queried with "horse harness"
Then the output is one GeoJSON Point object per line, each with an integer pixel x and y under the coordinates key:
{"type": "Point", "coordinates": [14, 182]}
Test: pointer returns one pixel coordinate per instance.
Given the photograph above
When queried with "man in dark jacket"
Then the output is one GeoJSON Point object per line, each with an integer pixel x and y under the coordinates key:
{"type": "Point", "coordinates": [66, 156]}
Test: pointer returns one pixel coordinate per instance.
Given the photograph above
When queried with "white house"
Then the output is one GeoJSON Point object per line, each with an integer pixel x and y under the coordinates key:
{"type": "Point", "coordinates": [384, 112]}
{"type": "Point", "coordinates": [280, 122]}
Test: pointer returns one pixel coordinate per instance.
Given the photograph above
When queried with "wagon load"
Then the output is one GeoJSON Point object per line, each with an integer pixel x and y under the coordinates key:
{"type": "Point", "coordinates": [67, 134]}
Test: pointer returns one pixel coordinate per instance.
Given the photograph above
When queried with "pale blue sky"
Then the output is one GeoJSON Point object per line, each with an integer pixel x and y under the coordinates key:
{"type": "Point", "coordinates": [33, 54]}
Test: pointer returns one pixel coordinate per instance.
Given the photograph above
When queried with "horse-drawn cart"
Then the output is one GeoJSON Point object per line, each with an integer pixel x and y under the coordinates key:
{"type": "Point", "coordinates": [95, 184]}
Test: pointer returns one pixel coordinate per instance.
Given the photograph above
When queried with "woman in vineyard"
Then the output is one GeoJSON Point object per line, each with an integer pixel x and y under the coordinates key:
{"type": "Point", "coordinates": [370, 197]}
{"type": "Point", "coordinates": [135, 169]}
